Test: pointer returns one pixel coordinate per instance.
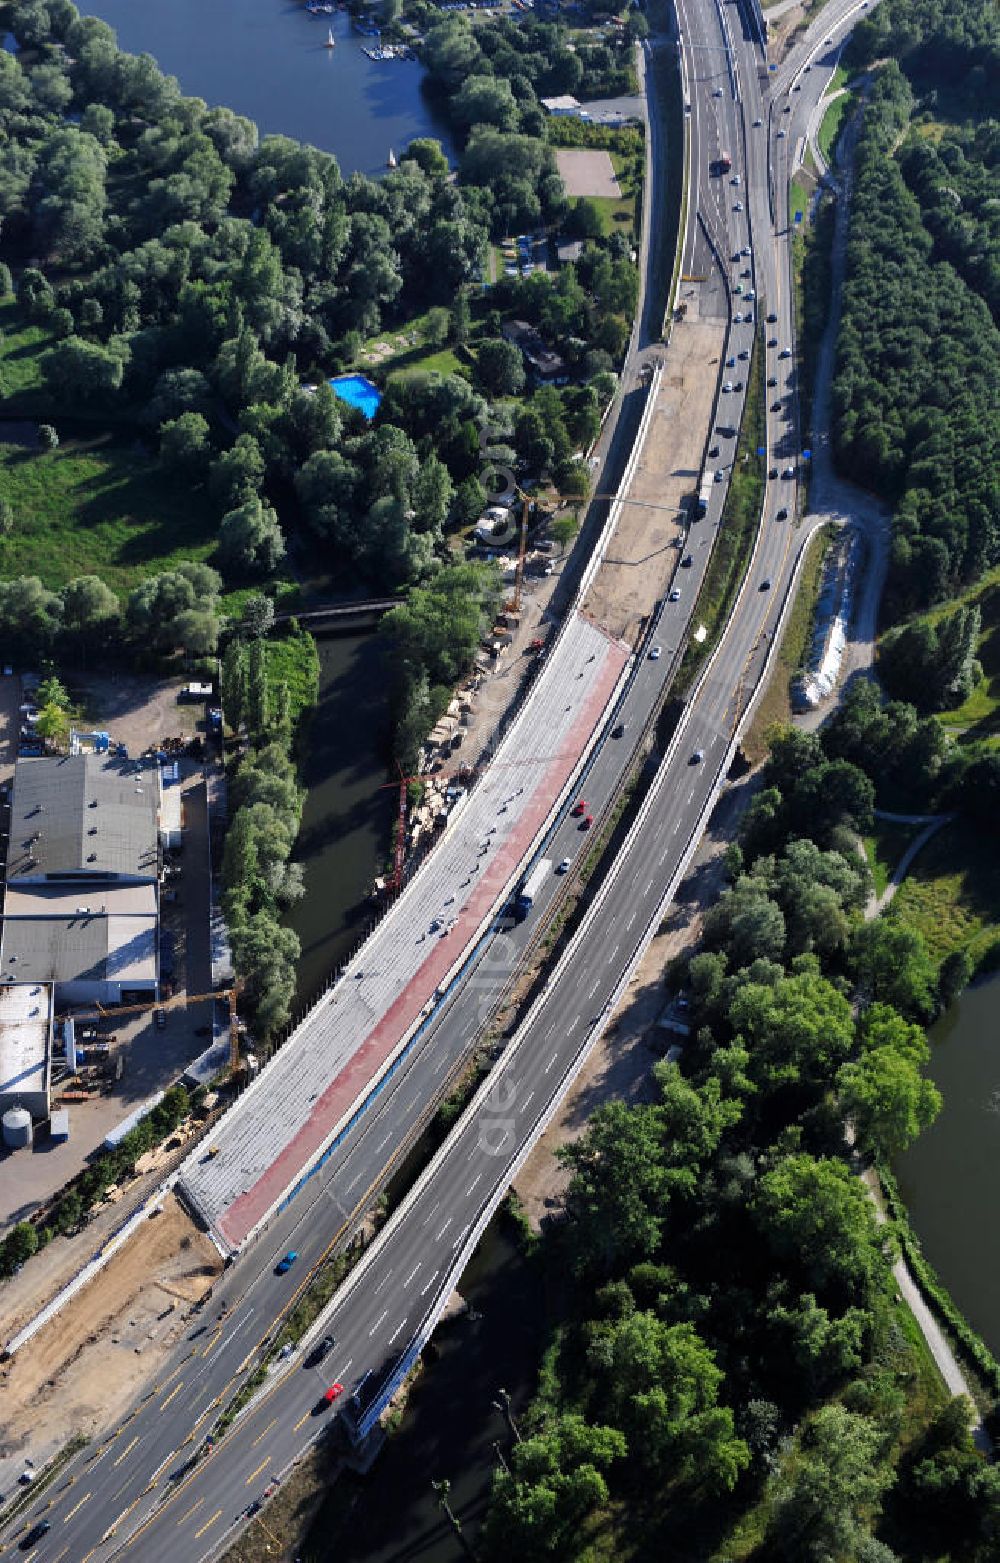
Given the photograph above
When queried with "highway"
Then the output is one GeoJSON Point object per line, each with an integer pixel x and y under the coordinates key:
{"type": "Point", "coordinates": [132, 1494]}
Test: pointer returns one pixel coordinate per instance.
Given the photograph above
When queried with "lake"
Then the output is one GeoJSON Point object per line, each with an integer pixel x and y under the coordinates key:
{"type": "Point", "coordinates": [948, 1177]}
{"type": "Point", "coordinates": [266, 59]}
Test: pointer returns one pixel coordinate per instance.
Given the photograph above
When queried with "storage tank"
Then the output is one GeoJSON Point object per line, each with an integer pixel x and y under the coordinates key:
{"type": "Point", "coordinates": [16, 1128]}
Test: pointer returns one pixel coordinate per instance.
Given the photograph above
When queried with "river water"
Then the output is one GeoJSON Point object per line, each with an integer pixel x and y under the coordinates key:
{"type": "Point", "coordinates": [948, 1177]}
{"type": "Point", "coordinates": [347, 819]}
{"type": "Point", "coordinates": [266, 59]}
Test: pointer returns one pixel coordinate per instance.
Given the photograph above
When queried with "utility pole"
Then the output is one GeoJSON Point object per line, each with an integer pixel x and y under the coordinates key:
{"type": "Point", "coordinates": [500, 1455]}
{"type": "Point", "coordinates": [502, 1404]}
{"type": "Point", "coordinates": [442, 1489]}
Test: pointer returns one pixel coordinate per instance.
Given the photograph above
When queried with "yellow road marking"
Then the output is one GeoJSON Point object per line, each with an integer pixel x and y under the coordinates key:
{"type": "Point", "coordinates": [187, 1516]}
{"type": "Point", "coordinates": [213, 1342]}
{"type": "Point", "coordinates": [266, 1430]}
{"type": "Point", "coordinates": [301, 1420]}
{"type": "Point", "coordinates": [125, 1452]}
{"type": "Point", "coordinates": [254, 1474]}
{"type": "Point", "coordinates": [83, 1500]}
{"type": "Point", "coordinates": [61, 1555]}
{"type": "Point", "coordinates": [172, 1396]}
{"type": "Point", "coordinates": [208, 1524]}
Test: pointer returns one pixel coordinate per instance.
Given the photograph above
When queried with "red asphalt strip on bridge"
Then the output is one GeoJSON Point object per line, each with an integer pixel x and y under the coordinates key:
{"type": "Point", "coordinates": [382, 1042]}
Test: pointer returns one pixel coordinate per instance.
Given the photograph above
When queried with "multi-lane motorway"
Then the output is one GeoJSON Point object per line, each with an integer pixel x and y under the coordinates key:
{"type": "Point", "coordinates": [133, 1493]}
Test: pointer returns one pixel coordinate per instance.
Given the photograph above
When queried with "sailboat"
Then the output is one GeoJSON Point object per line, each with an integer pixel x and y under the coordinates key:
{"type": "Point", "coordinates": [390, 161]}
{"type": "Point", "coordinates": [331, 42]}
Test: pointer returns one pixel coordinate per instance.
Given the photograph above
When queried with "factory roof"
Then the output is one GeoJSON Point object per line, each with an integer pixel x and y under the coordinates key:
{"type": "Point", "coordinates": [82, 815]}
{"type": "Point", "coordinates": [25, 1039]}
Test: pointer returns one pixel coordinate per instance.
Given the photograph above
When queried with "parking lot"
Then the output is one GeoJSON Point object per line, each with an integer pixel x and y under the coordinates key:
{"type": "Point", "coordinates": [525, 253]}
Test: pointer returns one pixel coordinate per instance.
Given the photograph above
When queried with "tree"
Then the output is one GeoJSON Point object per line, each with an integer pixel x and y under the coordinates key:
{"type": "Point", "coordinates": [29, 615]}
{"type": "Point", "coordinates": [500, 368]}
{"type": "Point", "coordinates": [429, 154]}
{"type": "Point", "coordinates": [834, 1486]}
{"type": "Point", "coordinates": [555, 1480]}
{"type": "Point", "coordinates": [154, 609]}
{"type": "Point", "coordinates": [250, 539]}
{"type": "Point", "coordinates": [236, 476]}
{"type": "Point", "coordinates": [90, 610]}
{"type": "Point", "coordinates": [797, 1031]}
{"type": "Point", "coordinates": [256, 616]}
{"type": "Point", "coordinates": [616, 1200]}
{"type": "Point", "coordinates": [892, 964]}
{"type": "Point", "coordinates": [52, 723]}
{"type": "Point", "coordinates": [816, 1216]}
{"type": "Point", "coordinates": [883, 1092]}
{"type": "Point", "coordinates": [184, 445]}
{"type": "Point", "coordinates": [83, 371]}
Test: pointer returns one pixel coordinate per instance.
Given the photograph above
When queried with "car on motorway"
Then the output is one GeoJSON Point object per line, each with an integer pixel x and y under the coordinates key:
{"type": "Point", "coordinates": [772, 341]}
{"type": "Point", "coordinates": [619, 731]}
{"type": "Point", "coordinates": [772, 318]}
{"type": "Point", "coordinates": [738, 385]}
{"type": "Point", "coordinates": [745, 353]}
{"type": "Point", "coordinates": [787, 109]}
{"type": "Point", "coordinates": [750, 294]}
{"type": "Point", "coordinates": [717, 93]}
{"type": "Point", "coordinates": [655, 653]}
{"type": "Point", "coordinates": [737, 206]}
{"type": "Point", "coordinates": [35, 1534]}
{"type": "Point", "coordinates": [714, 451]}
{"type": "Point", "coordinates": [333, 1393]}
{"type": "Point", "coordinates": [284, 1265]}
{"type": "Point", "coordinates": [727, 385]}
{"type": "Point", "coordinates": [809, 67]}
{"type": "Point", "coordinates": [579, 807]}
{"type": "Point", "coordinates": [782, 514]}
{"type": "Point", "coordinates": [697, 757]}
{"type": "Point", "coordinates": [781, 135]}
{"type": "Point", "coordinates": [773, 472]}
{"type": "Point", "coordinates": [738, 318]}
{"type": "Point", "coordinates": [586, 822]}
{"type": "Point", "coordinates": [564, 866]}
{"type": "Point", "coordinates": [687, 562]}
{"type": "Point", "coordinates": [746, 250]}
{"type": "Point", "coordinates": [776, 406]}
{"type": "Point", "coordinates": [765, 584]}
{"type": "Point", "coordinates": [757, 124]}
{"type": "Point", "coordinates": [748, 319]}
{"type": "Point", "coordinates": [736, 180]}
{"type": "Point", "coordinates": [772, 380]}
{"type": "Point", "coordinates": [788, 472]}
{"type": "Point", "coordinates": [786, 352]}
{"type": "Point", "coordinates": [797, 87]}
{"type": "Point", "coordinates": [675, 595]}
{"type": "Point", "coordinates": [720, 476]}
{"type": "Point", "coordinates": [730, 363]}
{"type": "Point", "coordinates": [322, 1349]}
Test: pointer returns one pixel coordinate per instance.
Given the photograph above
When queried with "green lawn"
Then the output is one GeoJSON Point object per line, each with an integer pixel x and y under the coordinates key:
{"type": "Point", "coordinates": [98, 506]}
{"type": "Point", "coordinates": [406, 348]}
{"type": "Point", "coordinates": [798, 201]}
{"type": "Point", "coordinates": [20, 348]}
{"type": "Point", "coordinates": [952, 892]}
{"type": "Point", "coordinates": [884, 848]}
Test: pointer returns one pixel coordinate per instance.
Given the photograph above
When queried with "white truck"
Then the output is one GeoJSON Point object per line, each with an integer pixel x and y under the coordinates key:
{"type": "Point", "coordinates": [532, 884]}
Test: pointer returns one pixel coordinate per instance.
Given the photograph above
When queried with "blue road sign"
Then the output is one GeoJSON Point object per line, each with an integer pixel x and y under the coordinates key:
{"type": "Point", "coordinates": [762, 450]}
{"type": "Point", "coordinates": [798, 217]}
{"type": "Point", "coordinates": [807, 455]}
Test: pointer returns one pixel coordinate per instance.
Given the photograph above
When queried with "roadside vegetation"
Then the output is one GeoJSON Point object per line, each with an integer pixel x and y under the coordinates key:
{"type": "Point", "coordinates": [776, 705]}
{"type": "Point", "coordinates": [781, 1405]}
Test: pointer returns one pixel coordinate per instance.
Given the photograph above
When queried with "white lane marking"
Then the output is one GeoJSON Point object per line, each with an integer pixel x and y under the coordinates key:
{"type": "Point", "coordinates": [430, 1283]}
{"type": "Point", "coordinates": [384, 1282]}
{"type": "Point", "coordinates": [395, 1332]}
{"type": "Point", "coordinates": [552, 1060]}
{"type": "Point", "coordinates": [413, 1272]}
{"type": "Point", "coordinates": [443, 1230]}
{"type": "Point", "coordinates": [528, 1098]}
{"type": "Point", "coordinates": [477, 1179]}
{"type": "Point", "coordinates": [380, 1320]}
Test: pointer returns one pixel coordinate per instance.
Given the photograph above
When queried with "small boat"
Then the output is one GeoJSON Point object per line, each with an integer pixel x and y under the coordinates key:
{"type": "Point", "coordinates": [331, 42]}
{"type": "Point", "coordinates": [390, 161]}
{"type": "Point", "coordinates": [320, 8]}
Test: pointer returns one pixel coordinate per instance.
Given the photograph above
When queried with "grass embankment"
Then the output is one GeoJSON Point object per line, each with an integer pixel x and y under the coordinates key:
{"type": "Point", "coordinates": [99, 506]}
{"type": "Point", "coordinates": [776, 705]}
{"type": "Point", "coordinates": [830, 128]}
{"type": "Point", "coordinates": [951, 894]}
{"type": "Point", "coordinates": [292, 660]}
{"type": "Point", "coordinates": [978, 717]}
{"type": "Point", "coordinates": [738, 528]}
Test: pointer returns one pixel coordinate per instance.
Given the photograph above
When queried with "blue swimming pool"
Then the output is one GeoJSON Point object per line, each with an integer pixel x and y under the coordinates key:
{"type": "Point", "coordinates": [358, 391]}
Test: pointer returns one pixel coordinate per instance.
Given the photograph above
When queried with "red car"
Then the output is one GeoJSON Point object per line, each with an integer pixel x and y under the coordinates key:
{"type": "Point", "coordinates": [579, 807]}
{"type": "Point", "coordinates": [333, 1393]}
{"type": "Point", "coordinates": [586, 822]}
{"type": "Point", "coordinates": [535, 645]}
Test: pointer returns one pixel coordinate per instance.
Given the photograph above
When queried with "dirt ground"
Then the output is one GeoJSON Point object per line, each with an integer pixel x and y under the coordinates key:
{"type": "Point", "coordinates": [136, 709]}
{"type": "Point", "coordinates": [641, 558]}
{"type": "Point", "coordinates": [85, 1367]}
{"type": "Point", "coordinates": [587, 172]}
{"type": "Point", "coordinates": [619, 1066]}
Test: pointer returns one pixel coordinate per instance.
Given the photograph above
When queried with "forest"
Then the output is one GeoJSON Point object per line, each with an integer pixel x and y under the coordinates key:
{"type": "Point", "coordinates": [916, 416]}
{"type": "Point", "coordinates": [730, 1371]}
{"type": "Point", "coordinates": [204, 284]}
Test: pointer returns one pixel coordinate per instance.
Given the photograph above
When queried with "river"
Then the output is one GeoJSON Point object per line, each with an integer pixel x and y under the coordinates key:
{"type": "Point", "coordinates": [266, 59]}
{"type": "Point", "coordinates": [947, 1177]}
{"type": "Point", "coordinates": [347, 819]}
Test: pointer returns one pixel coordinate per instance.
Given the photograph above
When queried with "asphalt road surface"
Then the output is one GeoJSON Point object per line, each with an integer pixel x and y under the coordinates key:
{"type": "Point", "coordinates": [133, 1494]}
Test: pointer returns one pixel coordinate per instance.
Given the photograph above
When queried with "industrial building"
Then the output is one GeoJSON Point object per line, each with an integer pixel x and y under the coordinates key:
{"type": "Point", "coordinates": [26, 1011]}
{"type": "Point", "coordinates": [80, 907]}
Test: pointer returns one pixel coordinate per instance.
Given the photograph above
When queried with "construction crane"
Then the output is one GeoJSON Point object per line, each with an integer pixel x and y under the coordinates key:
{"type": "Point", "coordinates": [462, 772]}
{"type": "Point", "coordinates": [103, 1012]}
